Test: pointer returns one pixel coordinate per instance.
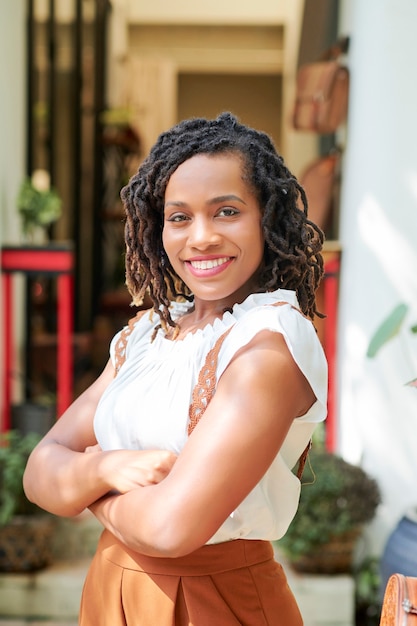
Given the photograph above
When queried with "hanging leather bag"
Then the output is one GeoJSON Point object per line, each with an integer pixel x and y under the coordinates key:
{"type": "Point", "coordinates": [399, 607]}
{"type": "Point", "coordinates": [322, 90]}
{"type": "Point", "coordinates": [320, 180]}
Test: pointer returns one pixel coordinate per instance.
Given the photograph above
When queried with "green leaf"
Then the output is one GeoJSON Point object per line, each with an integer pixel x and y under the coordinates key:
{"type": "Point", "coordinates": [387, 330]}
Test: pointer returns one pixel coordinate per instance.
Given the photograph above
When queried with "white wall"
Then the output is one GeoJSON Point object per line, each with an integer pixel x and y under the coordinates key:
{"type": "Point", "coordinates": [12, 114]}
{"type": "Point", "coordinates": [378, 414]}
{"type": "Point", "coordinates": [12, 133]}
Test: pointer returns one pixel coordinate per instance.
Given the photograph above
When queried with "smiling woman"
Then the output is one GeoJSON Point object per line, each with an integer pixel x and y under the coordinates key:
{"type": "Point", "coordinates": [184, 447]}
{"type": "Point", "coordinates": [212, 231]}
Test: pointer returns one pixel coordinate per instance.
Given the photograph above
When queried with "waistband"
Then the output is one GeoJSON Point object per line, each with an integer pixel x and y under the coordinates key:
{"type": "Point", "coordinates": [209, 559]}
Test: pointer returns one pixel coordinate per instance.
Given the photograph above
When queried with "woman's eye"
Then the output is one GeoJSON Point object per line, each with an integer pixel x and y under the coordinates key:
{"type": "Point", "coordinates": [177, 217]}
{"type": "Point", "coordinates": [228, 212]}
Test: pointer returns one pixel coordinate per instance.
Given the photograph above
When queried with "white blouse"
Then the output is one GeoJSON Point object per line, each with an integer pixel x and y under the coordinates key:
{"type": "Point", "coordinates": [146, 405]}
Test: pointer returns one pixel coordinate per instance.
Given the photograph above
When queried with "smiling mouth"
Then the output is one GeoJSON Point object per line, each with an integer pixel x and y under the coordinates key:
{"type": "Point", "coordinates": [209, 264]}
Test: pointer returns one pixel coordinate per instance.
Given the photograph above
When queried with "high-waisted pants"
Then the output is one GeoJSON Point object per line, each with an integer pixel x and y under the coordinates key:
{"type": "Point", "coordinates": [227, 584]}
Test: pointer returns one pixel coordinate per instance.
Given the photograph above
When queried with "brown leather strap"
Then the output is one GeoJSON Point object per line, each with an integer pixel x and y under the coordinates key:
{"type": "Point", "coordinates": [303, 460]}
{"type": "Point", "coordinates": [410, 595]}
{"type": "Point", "coordinates": [399, 605]}
{"type": "Point", "coordinates": [341, 46]}
{"type": "Point", "coordinates": [206, 384]}
{"type": "Point", "coordinates": [120, 347]}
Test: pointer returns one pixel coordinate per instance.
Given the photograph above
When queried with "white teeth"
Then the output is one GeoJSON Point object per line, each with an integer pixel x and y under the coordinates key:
{"type": "Point", "coordinates": [209, 264]}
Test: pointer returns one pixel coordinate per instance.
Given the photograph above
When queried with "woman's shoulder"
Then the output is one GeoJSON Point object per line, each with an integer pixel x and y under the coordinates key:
{"type": "Point", "coordinates": [278, 312]}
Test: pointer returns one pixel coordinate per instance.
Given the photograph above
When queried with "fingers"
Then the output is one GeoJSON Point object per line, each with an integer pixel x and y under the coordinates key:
{"type": "Point", "coordinates": [125, 470]}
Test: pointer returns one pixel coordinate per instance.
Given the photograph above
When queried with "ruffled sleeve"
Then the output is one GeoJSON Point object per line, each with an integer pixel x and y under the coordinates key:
{"type": "Point", "coordinates": [301, 339]}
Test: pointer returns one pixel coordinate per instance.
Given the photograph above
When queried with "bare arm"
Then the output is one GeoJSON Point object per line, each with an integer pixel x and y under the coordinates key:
{"type": "Point", "coordinates": [61, 478]}
{"type": "Point", "coordinates": [228, 453]}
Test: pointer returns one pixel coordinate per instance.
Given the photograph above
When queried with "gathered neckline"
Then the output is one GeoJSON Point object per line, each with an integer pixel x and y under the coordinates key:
{"type": "Point", "coordinates": [230, 316]}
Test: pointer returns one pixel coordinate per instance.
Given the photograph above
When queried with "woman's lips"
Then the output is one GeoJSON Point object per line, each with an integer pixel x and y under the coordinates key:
{"type": "Point", "coordinates": [208, 267]}
{"type": "Point", "coordinates": [208, 264]}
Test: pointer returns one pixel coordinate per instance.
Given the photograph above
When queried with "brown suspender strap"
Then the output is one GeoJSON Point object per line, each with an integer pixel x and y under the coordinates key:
{"type": "Point", "coordinates": [206, 384]}
{"type": "Point", "coordinates": [120, 347]}
{"type": "Point", "coordinates": [303, 460]}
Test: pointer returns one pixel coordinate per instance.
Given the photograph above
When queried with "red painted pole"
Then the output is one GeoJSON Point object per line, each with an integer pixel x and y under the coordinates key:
{"type": "Point", "coordinates": [64, 348]}
{"type": "Point", "coordinates": [54, 260]}
{"type": "Point", "coordinates": [331, 283]}
{"type": "Point", "coordinates": [8, 365]}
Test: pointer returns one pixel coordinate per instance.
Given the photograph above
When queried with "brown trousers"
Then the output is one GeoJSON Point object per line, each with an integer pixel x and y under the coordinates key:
{"type": "Point", "coordinates": [228, 584]}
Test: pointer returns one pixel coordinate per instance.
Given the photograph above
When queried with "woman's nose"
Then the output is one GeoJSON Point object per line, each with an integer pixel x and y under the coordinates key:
{"type": "Point", "coordinates": [203, 233]}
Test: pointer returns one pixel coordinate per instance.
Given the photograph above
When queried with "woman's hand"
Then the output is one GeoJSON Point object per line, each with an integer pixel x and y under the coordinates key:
{"type": "Point", "coordinates": [127, 470]}
{"type": "Point", "coordinates": [124, 470]}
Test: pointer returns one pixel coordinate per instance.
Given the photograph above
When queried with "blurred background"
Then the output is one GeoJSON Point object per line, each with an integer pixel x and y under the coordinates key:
{"type": "Point", "coordinates": [93, 84]}
{"type": "Point", "coordinates": [87, 86]}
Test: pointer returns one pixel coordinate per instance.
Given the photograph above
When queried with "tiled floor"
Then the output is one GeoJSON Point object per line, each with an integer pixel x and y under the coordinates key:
{"type": "Point", "coordinates": [53, 593]}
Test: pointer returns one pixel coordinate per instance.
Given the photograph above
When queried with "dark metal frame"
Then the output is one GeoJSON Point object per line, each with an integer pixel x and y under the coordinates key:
{"type": "Point", "coordinates": [79, 153]}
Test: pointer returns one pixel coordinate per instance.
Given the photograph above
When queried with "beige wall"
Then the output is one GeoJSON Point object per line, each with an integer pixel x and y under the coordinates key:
{"type": "Point", "coordinates": [256, 99]}
{"type": "Point", "coordinates": [215, 11]}
{"type": "Point", "coordinates": [216, 56]}
{"type": "Point", "coordinates": [181, 71]}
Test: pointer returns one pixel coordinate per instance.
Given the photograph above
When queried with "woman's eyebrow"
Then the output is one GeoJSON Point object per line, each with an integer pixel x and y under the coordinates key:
{"type": "Point", "coordinates": [226, 198]}
{"type": "Point", "coordinates": [177, 203]}
{"type": "Point", "coordinates": [216, 200]}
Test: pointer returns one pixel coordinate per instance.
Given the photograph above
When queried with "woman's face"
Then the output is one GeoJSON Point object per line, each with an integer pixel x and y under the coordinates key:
{"type": "Point", "coordinates": [212, 228]}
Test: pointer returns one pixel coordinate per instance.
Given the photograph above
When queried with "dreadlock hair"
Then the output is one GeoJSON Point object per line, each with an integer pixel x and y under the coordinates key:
{"type": "Point", "coordinates": [292, 258]}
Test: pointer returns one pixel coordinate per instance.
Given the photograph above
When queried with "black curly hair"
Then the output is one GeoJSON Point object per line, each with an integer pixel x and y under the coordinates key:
{"type": "Point", "coordinates": [292, 256]}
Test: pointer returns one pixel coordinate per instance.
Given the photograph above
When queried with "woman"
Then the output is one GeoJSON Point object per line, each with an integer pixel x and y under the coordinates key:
{"type": "Point", "coordinates": [192, 485]}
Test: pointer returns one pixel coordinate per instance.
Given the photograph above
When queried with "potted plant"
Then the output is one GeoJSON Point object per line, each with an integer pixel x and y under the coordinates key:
{"type": "Point", "coordinates": [337, 500]}
{"type": "Point", "coordinates": [368, 601]}
{"type": "Point", "coordinates": [37, 412]}
{"type": "Point", "coordinates": [25, 530]}
{"type": "Point", "coordinates": [38, 203]}
{"type": "Point", "coordinates": [36, 415]}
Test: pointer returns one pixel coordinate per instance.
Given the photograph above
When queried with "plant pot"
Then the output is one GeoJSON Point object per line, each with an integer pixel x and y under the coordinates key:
{"type": "Point", "coordinates": [25, 543]}
{"type": "Point", "coordinates": [31, 417]}
{"type": "Point", "coordinates": [333, 557]}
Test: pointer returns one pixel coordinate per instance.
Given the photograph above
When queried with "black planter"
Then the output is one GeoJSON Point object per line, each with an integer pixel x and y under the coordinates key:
{"type": "Point", "coordinates": [30, 417]}
{"type": "Point", "coordinates": [25, 543]}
